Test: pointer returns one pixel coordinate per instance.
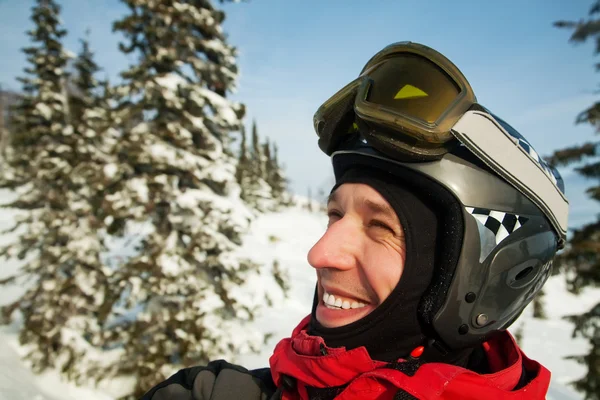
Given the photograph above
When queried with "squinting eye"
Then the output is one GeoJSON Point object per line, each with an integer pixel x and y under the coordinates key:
{"type": "Point", "coordinates": [379, 224]}
{"type": "Point", "coordinates": [333, 215]}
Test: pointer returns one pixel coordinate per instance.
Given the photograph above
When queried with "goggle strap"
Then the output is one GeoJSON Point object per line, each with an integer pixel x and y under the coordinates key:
{"type": "Point", "coordinates": [505, 157]}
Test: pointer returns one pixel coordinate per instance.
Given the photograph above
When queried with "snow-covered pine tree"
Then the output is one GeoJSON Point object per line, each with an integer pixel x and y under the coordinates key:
{"type": "Point", "coordinates": [185, 297]}
{"type": "Point", "coordinates": [538, 306]}
{"type": "Point", "coordinates": [273, 175]}
{"type": "Point", "coordinates": [91, 104]}
{"type": "Point", "coordinates": [242, 170]}
{"type": "Point", "coordinates": [8, 99]}
{"type": "Point", "coordinates": [279, 182]}
{"type": "Point", "coordinates": [83, 94]}
{"type": "Point", "coordinates": [266, 162]}
{"type": "Point", "coordinates": [257, 192]}
{"type": "Point", "coordinates": [268, 168]}
{"type": "Point", "coordinates": [91, 111]}
{"type": "Point", "coordinates": [257, 154]}
{"type": "Point", "coordinates": [55, 234]}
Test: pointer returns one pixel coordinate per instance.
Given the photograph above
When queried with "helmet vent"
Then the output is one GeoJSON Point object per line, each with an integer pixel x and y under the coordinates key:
{"type": "Point", "coordinates": [523, 274]}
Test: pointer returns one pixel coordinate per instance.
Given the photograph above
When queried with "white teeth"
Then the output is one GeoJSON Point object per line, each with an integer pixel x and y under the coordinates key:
{"type": "Point", "coordinates": [332, 302]}
{"type": "Point", "coordinates": [330, 299]}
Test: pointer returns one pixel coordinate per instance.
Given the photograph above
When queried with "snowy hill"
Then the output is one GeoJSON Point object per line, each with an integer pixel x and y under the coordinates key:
{"type": "Point", "coordinates": [286, 237]}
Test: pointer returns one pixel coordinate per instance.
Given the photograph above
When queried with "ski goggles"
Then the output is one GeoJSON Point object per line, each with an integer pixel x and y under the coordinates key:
{"type": "Point", "coordinates": [406, 100]}
{"type": "Point", "coordinates": [413, 104]}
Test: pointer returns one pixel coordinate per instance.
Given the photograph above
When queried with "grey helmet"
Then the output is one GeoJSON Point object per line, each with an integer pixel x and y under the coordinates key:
{"type": "Point", "coordinates": [496, 248]}
{"type": "Point", "coordinates": [503, 210]}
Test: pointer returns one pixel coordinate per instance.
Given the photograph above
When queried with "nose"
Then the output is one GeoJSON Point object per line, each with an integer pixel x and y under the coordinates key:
{"type": "Point", "coordinates": [338, 247]}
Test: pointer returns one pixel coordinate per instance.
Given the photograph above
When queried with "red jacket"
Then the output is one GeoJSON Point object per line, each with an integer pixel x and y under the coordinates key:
{"type": "Point", "coordinates": [360, 377]}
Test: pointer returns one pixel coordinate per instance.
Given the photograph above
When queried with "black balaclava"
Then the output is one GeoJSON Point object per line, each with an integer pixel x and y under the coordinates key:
{"type": "Point", "coordinates": [393, 329]}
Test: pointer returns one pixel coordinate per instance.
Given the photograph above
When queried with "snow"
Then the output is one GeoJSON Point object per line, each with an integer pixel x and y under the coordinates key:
{"type": "Point", "coordinates": [222, 106]}
{"type": "Point", "coordinates": [14, 374]}
{"type": "Point", "coordinates": [548, 341]}
{"type": "Point", "coordinates": [164, 153]}
{"type": "Point", "coordinates": [44, 110]}
{"type": "Point", "coordinates": [110, 170]}
{"type": "Point", "coordinates": [140, 129]}
{"type": "Point", "coordinates": [197, 122]}
{"type": "Point", "coordinates": [215, 45]}
{"type": "Point", "coordinates": [17, 382]}
{"type": "Point", "coordinates": [286, 237]}
{"type": "Point", "coordinates": [170, 81]}
{"type": "Point", "coordinates": [140, 187]}
{"type": "Point", "coordinates": [171, 265]}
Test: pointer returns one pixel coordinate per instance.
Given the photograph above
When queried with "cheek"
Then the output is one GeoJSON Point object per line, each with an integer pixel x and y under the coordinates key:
{"type": "Point", "coordinates": [383, 270]}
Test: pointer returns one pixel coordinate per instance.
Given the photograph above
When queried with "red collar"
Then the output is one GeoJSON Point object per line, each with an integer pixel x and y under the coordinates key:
{"type": "Point", "coordinates": [505, 361]}
{"type": "Point", "coordinates": [311, 363]}
{"type": "Point", "coordinates": [309, 360]}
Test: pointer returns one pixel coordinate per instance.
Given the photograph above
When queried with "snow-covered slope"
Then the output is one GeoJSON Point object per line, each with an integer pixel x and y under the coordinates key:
{"type": "Point", "coordinates": [286, 237]}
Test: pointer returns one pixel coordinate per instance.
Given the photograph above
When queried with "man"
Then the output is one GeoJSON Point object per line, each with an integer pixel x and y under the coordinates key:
{"type": "Point", "coordinates": [443, 223]}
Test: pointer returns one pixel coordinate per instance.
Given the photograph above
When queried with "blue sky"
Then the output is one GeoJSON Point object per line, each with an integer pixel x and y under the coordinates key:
{"type": "Point", "coordinates": [294, 54]}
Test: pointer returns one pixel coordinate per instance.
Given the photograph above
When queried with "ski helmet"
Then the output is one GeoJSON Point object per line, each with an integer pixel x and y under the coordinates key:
{"type": "Point", "coordinates": [503, 214]}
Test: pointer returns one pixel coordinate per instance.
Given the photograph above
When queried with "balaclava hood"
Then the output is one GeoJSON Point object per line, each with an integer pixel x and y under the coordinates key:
{"type": "Point", "coordinates": [393, 329]}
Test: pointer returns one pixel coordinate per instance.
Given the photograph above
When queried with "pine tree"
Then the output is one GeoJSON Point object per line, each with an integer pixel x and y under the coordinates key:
{"type": "Point", "coordinates": [90, 104]}
{"type": "Point", "coordinates": [83, 95]}
{"type": "Point", "coordinates": [519, 334]}
{"type": "Point", "coordinates": [257, 192]}
{"type": "Point", "coordinates": [279, 182]}
{"type": "Point", "coordinates": [56, 240]}
{"type": "Point", "coordinates": [257, 154]}
{"type": "Point", "coordinates": [184, 297]}
{"type": "Point", "coordinates": [581, 258]}
{"type": "Point", "coordinates": [267, 162]}
{"type": "Point", "coordinates": [42, 112]}
{"type": "Point", "coordinates": [309, 203]}
{"type": "Point", "coordinates": [538, 306]}
{"type": "Point", "coordinates": [242, 169]}
{"type": "Point", "coordinates": [274, 176]}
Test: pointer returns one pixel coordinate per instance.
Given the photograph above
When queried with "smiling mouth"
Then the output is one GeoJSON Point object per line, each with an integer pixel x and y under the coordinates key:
{"type": "Point", "coordinates": [339, 303]}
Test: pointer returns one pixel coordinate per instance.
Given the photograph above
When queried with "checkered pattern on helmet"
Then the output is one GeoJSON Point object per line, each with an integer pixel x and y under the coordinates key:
{"type": "Point", "coordinates": [500, 223]}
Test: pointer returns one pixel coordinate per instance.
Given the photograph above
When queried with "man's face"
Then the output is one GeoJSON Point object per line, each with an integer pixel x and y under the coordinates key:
{"type": "Point", "coordinates": [360, 258]}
